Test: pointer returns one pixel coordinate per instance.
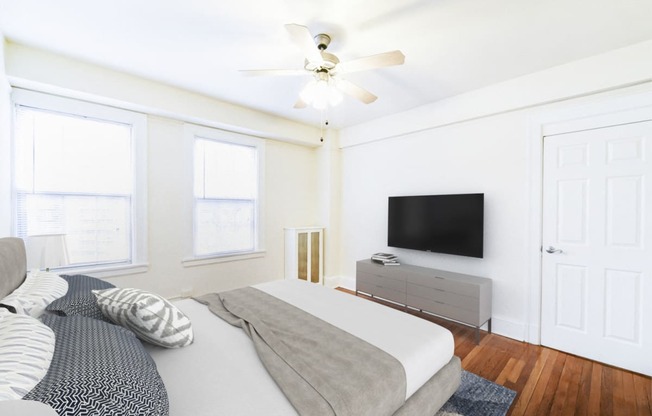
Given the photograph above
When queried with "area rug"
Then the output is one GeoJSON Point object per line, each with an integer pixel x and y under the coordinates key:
{"type": "Point", "coordinates": [477, 396]}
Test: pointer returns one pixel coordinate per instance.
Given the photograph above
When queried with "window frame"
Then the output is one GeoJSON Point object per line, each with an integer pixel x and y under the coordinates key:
{"type": "Point", "coordinates": [192, 132]}
{"type": "Point", "coordinates": [85, 109]}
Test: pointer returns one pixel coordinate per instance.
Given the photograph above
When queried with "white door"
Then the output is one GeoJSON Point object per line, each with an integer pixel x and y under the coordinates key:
{"type": "Point", "coordinates": [597, 245]}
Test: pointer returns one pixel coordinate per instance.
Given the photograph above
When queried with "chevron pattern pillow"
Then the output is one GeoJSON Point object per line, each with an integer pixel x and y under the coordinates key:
{"type": "Point", "coordinates": [26, 350]}
{"type": "Point", "coordinates": [152, 318]}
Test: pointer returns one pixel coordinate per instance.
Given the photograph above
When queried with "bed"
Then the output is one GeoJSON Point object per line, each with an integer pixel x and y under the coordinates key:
{"type": "Point", "coordinates": [221, 372]}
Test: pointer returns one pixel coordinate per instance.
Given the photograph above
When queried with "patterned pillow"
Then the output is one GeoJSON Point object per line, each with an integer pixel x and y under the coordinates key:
{"type": "Point", "coordinates": [37, 291]}
{"type": "Point", "coordinates": [26, 348]}
{"type": "Point", "coordinates": [80, 300]}
{"type": "Point", "coordinates": [99, 369]}
{"type": "Point", "coordinates": [151, 317]}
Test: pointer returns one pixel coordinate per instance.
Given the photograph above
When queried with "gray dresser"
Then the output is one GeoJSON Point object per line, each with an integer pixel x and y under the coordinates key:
{"type": "Point", "coordinates": [454, 296]}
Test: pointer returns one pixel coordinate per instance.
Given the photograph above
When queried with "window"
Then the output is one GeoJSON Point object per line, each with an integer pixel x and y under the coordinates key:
{"type": "Point", "coordinates": [75, 174]}
{"type": "Point", "coordinates": [227, 187]}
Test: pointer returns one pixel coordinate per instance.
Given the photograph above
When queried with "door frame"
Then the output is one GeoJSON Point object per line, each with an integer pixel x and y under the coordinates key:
{"type": "Point", "coordinates": [624, 106]}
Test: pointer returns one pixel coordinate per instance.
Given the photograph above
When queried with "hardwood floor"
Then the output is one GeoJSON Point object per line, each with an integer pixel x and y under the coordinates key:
{"type": "Point", "coordinates": [547, 381]}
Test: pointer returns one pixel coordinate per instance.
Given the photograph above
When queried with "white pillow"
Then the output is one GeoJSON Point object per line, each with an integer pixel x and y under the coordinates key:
{"type": "Point", "coordinates": [37, 291]}
{"type": "Point", "coordinates": [26, 349]}
{"type": "Point", "coordinates": [149, 316]}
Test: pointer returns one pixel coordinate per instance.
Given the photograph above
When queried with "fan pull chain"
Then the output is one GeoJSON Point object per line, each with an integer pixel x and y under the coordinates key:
{"type": "Point", "coordinates": [321, 126]}
{"type": "Point", "coordinates": [323, 121]}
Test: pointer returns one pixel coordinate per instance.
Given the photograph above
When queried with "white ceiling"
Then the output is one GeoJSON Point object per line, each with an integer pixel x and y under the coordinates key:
{"type": "Point", "coordinates": [451, 46]}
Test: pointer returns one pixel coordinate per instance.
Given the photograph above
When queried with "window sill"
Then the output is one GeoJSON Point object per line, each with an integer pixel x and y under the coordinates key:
{"type": "Point", "coordinates": [106, 271]}
{"type": "Point", "coordinates": [202, 261]}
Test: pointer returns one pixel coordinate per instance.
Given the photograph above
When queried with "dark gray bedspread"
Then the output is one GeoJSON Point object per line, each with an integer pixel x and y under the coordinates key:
{"type": "Point", "coordinates": [322, 369]}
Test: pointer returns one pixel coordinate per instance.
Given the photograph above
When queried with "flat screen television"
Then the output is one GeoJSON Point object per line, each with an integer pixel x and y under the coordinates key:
{"type": "Point", "coordinates": [451, 224]}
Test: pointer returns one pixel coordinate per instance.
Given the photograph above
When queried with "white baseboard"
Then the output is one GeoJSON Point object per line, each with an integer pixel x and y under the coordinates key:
{"type": "Point", "coordinates": [534, 335]}
{"type": "Point", "coordinates": [332, 281]}
{"type": "Point", "coordinates": [509, 329]}
{"type": "Point", "coordinates": [347, 282]}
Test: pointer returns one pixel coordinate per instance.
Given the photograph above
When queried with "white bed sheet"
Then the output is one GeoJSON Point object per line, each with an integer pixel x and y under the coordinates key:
{"type": "Point", "coordinates": [220, 373]}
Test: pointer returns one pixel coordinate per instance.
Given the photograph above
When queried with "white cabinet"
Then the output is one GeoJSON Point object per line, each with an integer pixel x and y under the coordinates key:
{"type": "Point", "coordinates": [304, 254]}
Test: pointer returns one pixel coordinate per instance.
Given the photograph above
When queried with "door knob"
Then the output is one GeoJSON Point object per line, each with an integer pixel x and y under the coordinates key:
{"type": "Point", "coordinates": [553, 250]}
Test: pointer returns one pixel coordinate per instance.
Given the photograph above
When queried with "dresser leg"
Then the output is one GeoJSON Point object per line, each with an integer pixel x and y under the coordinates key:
{"type": "Point", "coordinates": [477, 331]}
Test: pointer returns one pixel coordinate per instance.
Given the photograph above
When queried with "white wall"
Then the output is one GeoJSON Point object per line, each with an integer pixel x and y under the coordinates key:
{"type": "Point", "coordinates": [291, 169]}
{"type": "Point", "coordinates": [478, 142]}
{"type": "Point", "coordinates": [5, 165]}
{"type": "Point", "coordinates": [485, 156]}
{"type": "Point", "coordinates": [330, 183]}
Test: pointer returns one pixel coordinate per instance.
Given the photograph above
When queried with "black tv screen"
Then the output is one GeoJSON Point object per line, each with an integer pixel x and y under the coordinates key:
{"type": "Point", "coordinates": [451, 224]}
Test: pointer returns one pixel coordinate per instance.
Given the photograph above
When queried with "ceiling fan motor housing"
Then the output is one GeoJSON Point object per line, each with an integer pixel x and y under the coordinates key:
{"type": "Point", "coordinates": [329, 61]}
{"type": "Point", "coordinates": [322, 40]}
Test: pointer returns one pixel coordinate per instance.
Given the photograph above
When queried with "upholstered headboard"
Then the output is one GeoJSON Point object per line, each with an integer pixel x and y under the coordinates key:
{"type": "Point", "coordinates": [13, 264]}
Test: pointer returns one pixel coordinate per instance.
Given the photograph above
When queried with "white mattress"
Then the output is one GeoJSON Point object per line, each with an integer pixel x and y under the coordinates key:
{"type": "Point", "coordinates": [220, 373]}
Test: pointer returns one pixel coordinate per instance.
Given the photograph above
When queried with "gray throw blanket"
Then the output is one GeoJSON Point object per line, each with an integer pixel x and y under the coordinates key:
{"type": "Point", "coordinates": [322, 369]}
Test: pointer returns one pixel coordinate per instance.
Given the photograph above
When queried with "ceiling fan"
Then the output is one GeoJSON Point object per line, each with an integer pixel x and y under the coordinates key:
{"type": "Point", "coordinates": [327, 85]}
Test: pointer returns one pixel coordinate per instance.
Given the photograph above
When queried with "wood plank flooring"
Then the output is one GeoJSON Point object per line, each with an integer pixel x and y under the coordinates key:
{"type": "Point", "coordinates": [547, 381]}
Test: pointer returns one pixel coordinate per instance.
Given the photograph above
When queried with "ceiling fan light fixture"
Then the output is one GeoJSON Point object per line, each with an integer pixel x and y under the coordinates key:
{"type": "Point", "coordinates": [320, 93]}
{"type": "Point", "coordinates": [325, 90]}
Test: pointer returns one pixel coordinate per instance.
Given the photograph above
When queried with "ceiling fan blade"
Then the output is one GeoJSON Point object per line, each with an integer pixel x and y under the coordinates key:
{"type": "Point", "coordinates": [370, 62]}
{"type": "Point", "coordinates": [353, 90]}
{"type": "Point", "coordinates": [267, 72]}
{"type": "Point", "coordinates": [301, 37]}
{"type": "Point", "coordinates": [300, 104]}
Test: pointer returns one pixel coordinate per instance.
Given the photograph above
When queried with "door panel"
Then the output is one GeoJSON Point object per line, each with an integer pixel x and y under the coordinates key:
{"type": "Point", "coordinates": [572, 211]}
{"type": "Point", "coordinates": [624, 211]}
{"type": "Point", "coordinates": [596, 276]}
{"type": "Point", "coordinates": [622, 306]}
{"type": "Point", "coordinates": [571, 297]}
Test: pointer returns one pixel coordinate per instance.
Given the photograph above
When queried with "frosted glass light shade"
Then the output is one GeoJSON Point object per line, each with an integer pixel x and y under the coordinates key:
{"type": "Point", "coordinates": [46, 251]}
{"type": "Point", "coordinates": [320, 94]}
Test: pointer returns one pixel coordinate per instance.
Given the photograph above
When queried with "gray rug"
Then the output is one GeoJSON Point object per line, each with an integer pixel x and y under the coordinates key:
{"type": "Point", "coordinates": [477, 396]}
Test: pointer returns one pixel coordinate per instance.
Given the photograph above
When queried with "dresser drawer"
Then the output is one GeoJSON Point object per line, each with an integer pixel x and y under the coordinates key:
{"type": "Point", "coordinates": [381, 292]}
{"type": "Point", "coordinates": [368, 267]}
{"type": "Point", "coordinates": [390, 272]}
{"type": "Point", "coordinates": [447, 285]}
{"type": "Point", "coordinates": [382, 281]}
{"type": "Point", "coordinates": [445, 310]}
{"type": "Point", "coordinates": [439, 295]}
